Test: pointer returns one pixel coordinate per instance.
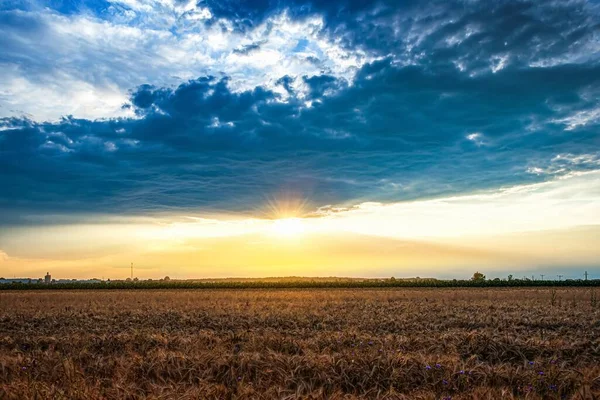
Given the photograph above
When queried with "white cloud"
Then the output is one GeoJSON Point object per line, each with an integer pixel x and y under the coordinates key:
{"type": "Point", "coordinates": [565, 164]}
{"type": "Point", "coordinates": [60, 95]}
{"type": "Point", "coordinates": [85, 66]}
{"type": "Point", "coordinates": [499, 62]}
{"type": "Point", "coordinates": [477, 138]}
{"type": "Point", "coordinates": [110, 147]}
{"type": "Point", "coordinates": [464, 34]}
{"type": "Point", "coordinates": [199, 14]}
{"type": "Point", "coordinates": [579, 119]}
{"type": "Point", "coordinates": [580, 51]}
{"type": "Point", "coordinates": [49, 144]}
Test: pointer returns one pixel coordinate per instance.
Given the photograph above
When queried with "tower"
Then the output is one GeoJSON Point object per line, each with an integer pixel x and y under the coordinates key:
{"type": "Point", "coordinates": [47, 278]}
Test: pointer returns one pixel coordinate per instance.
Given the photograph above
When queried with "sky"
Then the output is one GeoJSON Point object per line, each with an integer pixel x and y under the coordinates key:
{"type": "Point", "coordinates": [228, 138]}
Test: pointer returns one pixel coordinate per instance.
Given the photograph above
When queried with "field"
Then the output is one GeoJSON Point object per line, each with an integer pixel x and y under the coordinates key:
{"type": "Point", "coordinates": [469, 343]}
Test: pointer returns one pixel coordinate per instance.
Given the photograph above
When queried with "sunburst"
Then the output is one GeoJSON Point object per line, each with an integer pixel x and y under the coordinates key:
{"type": "Point", "coordinates": [285, 206]}
{"type": "Point", "coordinates": [286, 212]}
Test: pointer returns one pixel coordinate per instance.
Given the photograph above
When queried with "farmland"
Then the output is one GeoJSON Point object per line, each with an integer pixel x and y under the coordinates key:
{"type": "Point", "coordinates": [396, 343]}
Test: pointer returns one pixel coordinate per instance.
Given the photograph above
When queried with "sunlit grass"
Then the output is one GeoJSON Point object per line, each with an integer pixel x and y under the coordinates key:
{"type": "Point", "coordinates": [319, 344]}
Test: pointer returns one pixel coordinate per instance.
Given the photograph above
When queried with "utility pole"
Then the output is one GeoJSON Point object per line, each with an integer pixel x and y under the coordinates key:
{"type": "Point", "coordinates": [542, 275]}
{"type": "Point", "coordinates": [131, 271]}
{"type": "Point", "coordinates": [586, 275]}
{"type": "Point", "coordinates": [559, 277]}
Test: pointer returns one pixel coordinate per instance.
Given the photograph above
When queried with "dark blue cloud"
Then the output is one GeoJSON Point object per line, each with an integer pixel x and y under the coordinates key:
{"type": "Point", "coordinates": [396, 133]}
{"type": "Point", "coordinates": [247, 49]}
{"type": "Point", "coordinates": [528, 29]}
{"type": "Point", "coordinates": [428, 117]}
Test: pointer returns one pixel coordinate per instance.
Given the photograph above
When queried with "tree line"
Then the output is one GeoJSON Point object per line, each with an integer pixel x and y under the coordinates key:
{"type": "Point", "coordinates": [305, 284]}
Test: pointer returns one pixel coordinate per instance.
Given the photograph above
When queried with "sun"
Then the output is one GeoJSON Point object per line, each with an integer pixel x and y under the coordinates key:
{"type": "Point", "coordinates": [288, 227]}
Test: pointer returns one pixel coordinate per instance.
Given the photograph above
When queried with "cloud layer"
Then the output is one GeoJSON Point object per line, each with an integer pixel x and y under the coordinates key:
{"type": "Point", "coordinates": [172, 106]}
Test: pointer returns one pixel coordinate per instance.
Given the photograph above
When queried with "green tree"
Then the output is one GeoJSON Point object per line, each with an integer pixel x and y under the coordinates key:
{"type": "Point", "coordinates": [478, 277]}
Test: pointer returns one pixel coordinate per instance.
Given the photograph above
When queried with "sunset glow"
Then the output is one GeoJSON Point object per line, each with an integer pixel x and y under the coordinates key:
{"type": "Point", "coordinates": [288, 227]}
{"type": "Point", "coordinates": [202, 139]}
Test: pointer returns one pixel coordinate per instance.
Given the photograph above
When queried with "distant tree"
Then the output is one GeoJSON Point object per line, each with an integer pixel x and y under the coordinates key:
{"type": "Point", "coordinates": [478, 276]}
{"type": "Point", "coordinates": [393, 279]}
{"type": "Point", "coordinates": [510, 277]}
{"type": "Point", "coordinates": [167, 279]}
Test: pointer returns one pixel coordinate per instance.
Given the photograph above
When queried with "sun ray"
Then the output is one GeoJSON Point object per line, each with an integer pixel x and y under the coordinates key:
{"type": "Point", "coordinates": [285, 206]}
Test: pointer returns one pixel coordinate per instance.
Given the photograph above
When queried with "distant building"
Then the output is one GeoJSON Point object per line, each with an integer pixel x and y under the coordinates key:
{"type": "Point", "coordinates": [48, 278]}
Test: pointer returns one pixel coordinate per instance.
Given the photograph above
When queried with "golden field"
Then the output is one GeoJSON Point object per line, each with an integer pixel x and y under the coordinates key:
{"type": "Point", "coordinates": [471, 343]}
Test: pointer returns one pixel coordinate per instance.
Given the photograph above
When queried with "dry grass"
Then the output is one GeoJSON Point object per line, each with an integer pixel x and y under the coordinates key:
{"type": "Point", "coordinates": [396, 344]}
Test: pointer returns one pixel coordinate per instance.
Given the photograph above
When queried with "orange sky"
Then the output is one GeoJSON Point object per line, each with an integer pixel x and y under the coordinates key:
{"type": "Point", "coordinates": [550, 225]}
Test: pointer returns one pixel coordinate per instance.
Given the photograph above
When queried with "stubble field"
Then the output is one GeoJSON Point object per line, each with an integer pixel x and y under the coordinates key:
{"type": "Point", "coordinates": [252, 344]}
